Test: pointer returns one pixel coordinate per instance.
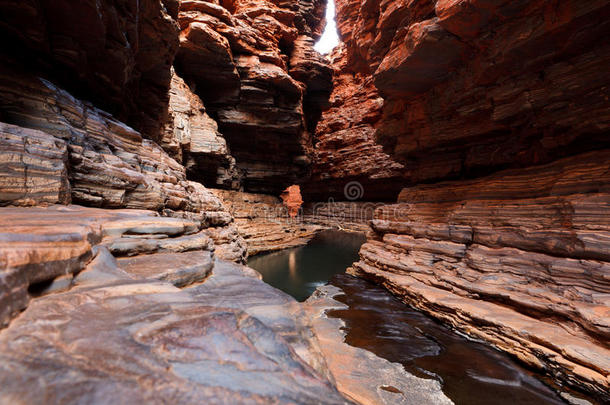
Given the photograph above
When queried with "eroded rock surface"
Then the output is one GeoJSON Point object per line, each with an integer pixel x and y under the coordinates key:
{"type": "Point", "coordinates": [110, 164]}
{"type": "Point", "coordinates": [518, 259]}
{"type": "Point", "coordinates": [117, 55]}
{"type": "Point", "coordinates": [470, 90]}
{"type": "Point", "coordinates": [191, 137]}
{"type": "Point", "coordinates": [128, 340]}
{"type": "Point", "coordinates": [39, 245]}
{"type": "Point", "coordinates": [350, 366]}
{"type": "Point", "coordinates": [476, 86]}
{"type": "Point", "coordinates": [33, 167]}
{"type": "Point", "coordinates": [345, 147]}
{"type": "Point", "coordinates": [253, 65]}
{"type": "Point", "coordinates": [265, 222]}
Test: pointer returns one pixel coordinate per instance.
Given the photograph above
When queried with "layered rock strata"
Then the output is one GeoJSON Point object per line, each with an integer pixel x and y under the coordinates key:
{"type": "Point", "coordinates": [127, 337]}
{"type": "Point", "coordinates": [42, 248]}
{"type": "Point", "coordinates": [125, 331]}
{"type": "Point", "coordinates": [472, 89]}
{"type": "Point", "coordinates": [116, 55]}
{"type": "Point", "coordinates": [253, 65]}
{"type": "Point", "coordinates": [191, 137]}
{"type": "Point", "coordinates": [473, 86]}
{"type": "Point", "coordinates": [78, 153]}
{"type": "Point", "coordinates": [348, 216]}
{"type": "Point", "coordinates": [345, 148]}
{"type": "Point", "coordinates": [265, 222]}
{"type": "Point", "coordinates": [519, 258]}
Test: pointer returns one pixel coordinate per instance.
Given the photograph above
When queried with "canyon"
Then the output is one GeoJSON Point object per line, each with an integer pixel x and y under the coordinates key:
{"type": "Point", "coordinates": [148, 148]}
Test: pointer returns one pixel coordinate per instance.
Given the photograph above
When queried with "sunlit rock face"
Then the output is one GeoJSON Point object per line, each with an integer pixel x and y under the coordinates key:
{"type": "Point", "coordinates": [253, 65]}
{"type": "Point", "coordinates": [498, 113]}
{"type": "Point", "coordinates": [191, 137]}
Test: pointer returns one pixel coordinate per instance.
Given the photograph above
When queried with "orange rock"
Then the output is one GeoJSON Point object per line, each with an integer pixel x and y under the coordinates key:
{"type": "Point", "coordinates": [291, 197]}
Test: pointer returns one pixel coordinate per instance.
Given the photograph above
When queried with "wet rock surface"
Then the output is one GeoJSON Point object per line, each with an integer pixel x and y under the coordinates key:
{"type": "Point", "coordinates": [517, 259]}
{"type": "Point", "coordinates": [350, 366]}
{"type": "Point", "coordinates": [378, 322]}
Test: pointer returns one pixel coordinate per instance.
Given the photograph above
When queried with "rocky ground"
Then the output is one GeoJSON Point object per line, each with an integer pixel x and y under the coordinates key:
{"type": "Point", "coordinates": [112, 306]}
{"type": "Point", "coordinates": [144, 146]}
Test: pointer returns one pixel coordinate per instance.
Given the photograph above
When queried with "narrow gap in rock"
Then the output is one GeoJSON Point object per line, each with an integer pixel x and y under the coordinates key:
{"type": "Point", "coordinates": [330, 38]}
{"type": "Point", "coordinates": [37, 289]}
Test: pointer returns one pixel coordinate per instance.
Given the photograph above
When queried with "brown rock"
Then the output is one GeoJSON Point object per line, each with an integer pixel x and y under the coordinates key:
{"type": "Point", "coordinates": [345, 149]}
{"type": "Point", "coordinates": [40, 245]}
{"type": "Point", "coordinates": [110, 164]}
{"type": "Point", "coordinates": [32, 167]}
{"type": "Point", "coordinates": [192, 138]}
{"type": "Point", "coordinates": [118, 56]}
{"type": "Point", "coordinates": [127, 340]}
{"type": "Point", "coordinates": [253, 65]}
{"type": "Point", "coordinates": [179, 269]}
{"type": "Point", "coordinates": [291, 197]}
{"type": "Point", "coordinates": [265, 222]}
{"type": "Point", "coordinates": [522, 252]}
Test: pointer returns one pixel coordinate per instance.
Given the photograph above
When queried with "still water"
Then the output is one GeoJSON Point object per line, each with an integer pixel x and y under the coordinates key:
{"type": "Point", "coordinates": [299, 271]}
{"type": "Point", "coordinates": [471, 373]}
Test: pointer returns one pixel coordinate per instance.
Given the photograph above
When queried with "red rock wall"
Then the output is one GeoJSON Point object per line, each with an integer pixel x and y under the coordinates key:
{"type": "Point", "coordinates": [475, 86]}
{"type": "Point", "coordinates": [499, 112]}
{"type": "Point", "coordinates": [345, 149]}
{"type": "Point", "coordinates": [253, 65]}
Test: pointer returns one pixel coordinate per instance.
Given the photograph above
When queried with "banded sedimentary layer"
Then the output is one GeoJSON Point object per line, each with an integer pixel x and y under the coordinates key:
{"type": "Point", "coordinates": [474, 86]}
{"type": "Point", "coordinates": [518, 259]}
{"type": "Point", "coordinates": [265, 222]}
{"type": "Point", "coordinates": [118, 55]}
{"type": "Point", "coordinates": [499, 114]}
{"type": "Point", "coordinates": [254, 67]}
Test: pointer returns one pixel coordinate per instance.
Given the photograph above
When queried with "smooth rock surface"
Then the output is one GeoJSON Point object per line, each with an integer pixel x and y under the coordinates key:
{"type": "Point", "coordinates": [41, 244]}
{"type": "Point", "coordinates": [126, 341]}
{"type": "Point", "coordinates": [351, 367]}
{"type": "Point", "coordinates": [179, 269]}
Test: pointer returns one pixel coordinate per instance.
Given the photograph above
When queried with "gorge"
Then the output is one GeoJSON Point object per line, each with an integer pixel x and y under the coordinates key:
{"type": "Point", "coordinates": [151, 149]}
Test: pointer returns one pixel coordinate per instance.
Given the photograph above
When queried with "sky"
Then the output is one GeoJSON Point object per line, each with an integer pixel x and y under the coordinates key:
{"type": "Point", "coordinates": [329, 39]}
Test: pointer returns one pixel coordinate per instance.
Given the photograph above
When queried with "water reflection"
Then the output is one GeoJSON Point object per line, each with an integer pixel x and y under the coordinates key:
{"type": "Point", "coordinates": [301, 270]}
{"type": "Point", "coordinates": [292, 266]}
{"type": "Point", "coordinates": [471, 373]}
